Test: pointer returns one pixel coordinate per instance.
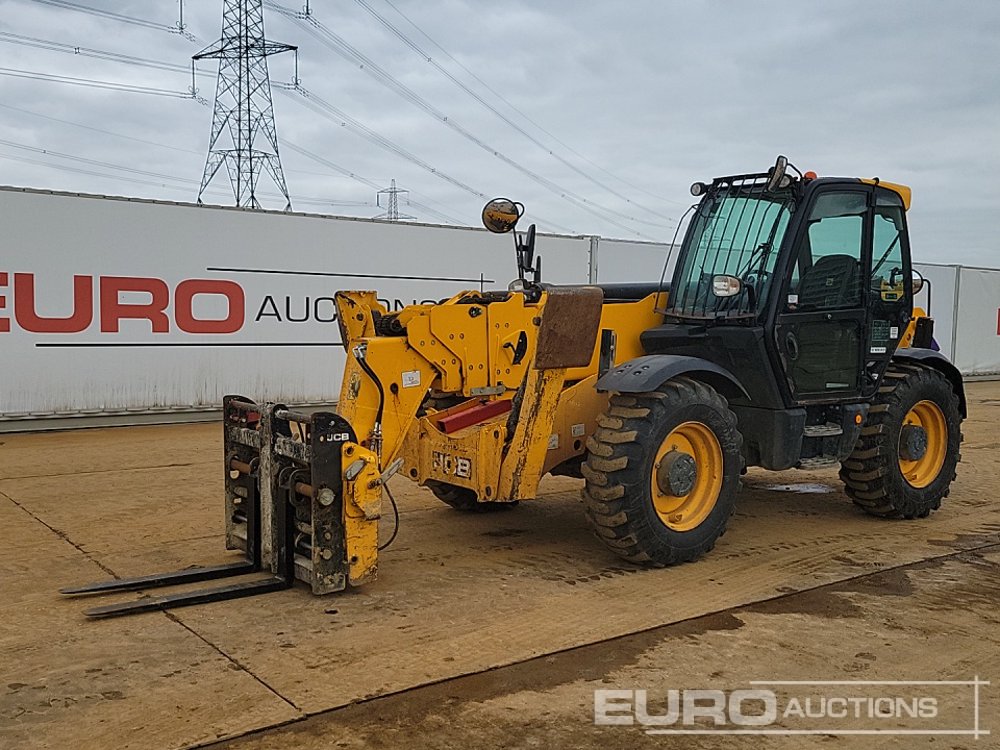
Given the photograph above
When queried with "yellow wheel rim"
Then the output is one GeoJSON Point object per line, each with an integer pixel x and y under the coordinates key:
{"type": "Point", "coordinates": [685, 511]}
{"type": "Point", "coordinates": [922, 471]}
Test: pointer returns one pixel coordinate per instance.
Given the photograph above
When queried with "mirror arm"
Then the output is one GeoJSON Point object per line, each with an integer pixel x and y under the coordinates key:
{"type": "Point", "coordinates": [526, 261]}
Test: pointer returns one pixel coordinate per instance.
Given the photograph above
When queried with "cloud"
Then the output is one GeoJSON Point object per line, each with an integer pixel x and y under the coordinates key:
{"type": "Point", "coordinates": [641, 98]}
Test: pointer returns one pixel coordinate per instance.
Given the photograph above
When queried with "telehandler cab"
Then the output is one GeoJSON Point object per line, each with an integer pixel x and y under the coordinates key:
{"type": "Point", "coordinates": [786, 338]}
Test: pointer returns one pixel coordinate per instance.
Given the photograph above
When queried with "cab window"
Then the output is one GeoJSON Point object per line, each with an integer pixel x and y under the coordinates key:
{"type": "Point", "coordinates": [888, 274]}
{"type": "Point", "coordinates": [827, 274]}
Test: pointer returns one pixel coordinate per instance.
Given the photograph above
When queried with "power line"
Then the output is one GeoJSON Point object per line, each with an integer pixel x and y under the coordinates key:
{"type": "Point", "coordinates": [85, 160]}
{"type": "Point", "coordinates": [46, 44]}
{"type": "Point", "coordinates": [98, 130]}
{"type": "Point", "coordinates": [523, 114]}
{"type": "Point", "coordinates": [79, 170]}
{"type": "Point", "coordinates": [310, 100]}
{"type": "Point", "coordinates": [321, 106]}
{"type": "Point", "coordinates": [348, 52]}
{"type": "Point", "coordinates": [429, 210]}
{"type": "Point", "coordinates": [180, 28]}
{"type": "Point", "coordinates": [325, 109]}
{"type": "Point", "coordinates": [121, 168]}
{"type": "Point", "coordinates": [324, 162]}
{"type": "Point", "coordinates": [341, 47]}
{"type": "Point", "coordinates": [93, 83]}
{"type": "Point", "coordinates": [134, 20]}
{"type": "Point", "coordinates": [152, 63]}
{"type": "Point", "coordinates": [485, 103]}
{"type": "Point", "coordinates": [157, 64]}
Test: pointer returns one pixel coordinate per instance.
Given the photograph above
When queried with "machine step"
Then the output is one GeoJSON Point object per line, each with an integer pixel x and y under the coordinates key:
{"type": "Point", "coordinates": [818, 462]}
{"type": "Point", "coordinates": [823, 430]}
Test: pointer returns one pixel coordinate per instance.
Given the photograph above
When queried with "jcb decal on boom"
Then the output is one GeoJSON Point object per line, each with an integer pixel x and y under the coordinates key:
{"type": "Point", "coordinates": [447, 464]}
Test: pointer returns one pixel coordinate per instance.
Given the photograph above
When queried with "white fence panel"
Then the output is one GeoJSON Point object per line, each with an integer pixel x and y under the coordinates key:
{"type": "Point", "coordinates": [940, 295]}
{"type": "Point", "coordinates": [623, 261]}
{"type": "Point", "coordinates": [977, 343]}
{"type": "Point", "coordinates": [113, 305]}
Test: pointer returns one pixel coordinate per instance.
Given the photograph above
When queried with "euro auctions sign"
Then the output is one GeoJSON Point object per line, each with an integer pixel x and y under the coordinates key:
{"type": "Point", "coordinates": [101, 303]}
{"type": "Point", "coordinates": [801, 707]}
{"type": "Point", "coordinates": [147, 305]}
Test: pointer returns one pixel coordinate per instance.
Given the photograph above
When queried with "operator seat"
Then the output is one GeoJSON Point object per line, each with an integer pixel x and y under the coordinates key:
{"type": "Point", "coordinates": [832, 281]}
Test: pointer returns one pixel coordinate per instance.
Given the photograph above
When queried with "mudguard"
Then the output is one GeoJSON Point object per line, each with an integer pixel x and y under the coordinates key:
{"type": "Point", "coordinates": [936, 360]}
{"type": "Point", "coordinates": [644, 374]}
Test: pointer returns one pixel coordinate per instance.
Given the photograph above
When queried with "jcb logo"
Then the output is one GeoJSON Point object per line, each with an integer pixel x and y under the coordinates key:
{"type": "Point", "coordinates": [449, 465]}
{"type": "Point", "coordinates": [149, 299]}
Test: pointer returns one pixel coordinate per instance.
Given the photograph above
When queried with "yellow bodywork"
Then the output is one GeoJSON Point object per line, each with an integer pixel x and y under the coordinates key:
{"type": "Point", "coordinates": [904, 192]}
{"type": "Point", "coordinates": [362, 510]}
{"type": "Point", "coordinates": [906, 340]}
{"type": "Point", "coordinates": [471, 350]}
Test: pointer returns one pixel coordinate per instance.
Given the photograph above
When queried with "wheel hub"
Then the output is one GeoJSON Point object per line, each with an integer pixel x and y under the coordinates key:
{"type": "Point", "coordinates": [912, 442]}
{"type": "Point", "coordinates": [677, 474]}
{"type": "Point", "coordinates": [923, 444]}
{"type": "Point", "coordinates": [687, 476]}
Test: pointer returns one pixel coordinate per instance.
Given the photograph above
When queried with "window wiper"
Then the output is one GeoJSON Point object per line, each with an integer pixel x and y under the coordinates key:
{"type": "Point", "coordinates": [763, 248]}
{"type": "Point", "coordinates": [885, 255]}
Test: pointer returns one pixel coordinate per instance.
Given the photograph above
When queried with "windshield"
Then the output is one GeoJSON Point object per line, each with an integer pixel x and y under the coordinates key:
{"type": "Point", "coordinates": [737, 230]}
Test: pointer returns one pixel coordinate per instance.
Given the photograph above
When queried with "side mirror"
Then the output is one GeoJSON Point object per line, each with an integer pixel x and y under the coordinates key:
{"type": "Point", "coordinates": [501, 215]}
{"type": "Point", "coordinates": [724, 285]}
{"type": "Point", "coordinates": [776, 177]}
{"type": "Point", "coordinates": [918, 282]}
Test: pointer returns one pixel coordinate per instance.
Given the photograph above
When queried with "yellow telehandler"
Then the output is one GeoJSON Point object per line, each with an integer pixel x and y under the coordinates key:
{"type": "Point", "coordinates": [787, 337]}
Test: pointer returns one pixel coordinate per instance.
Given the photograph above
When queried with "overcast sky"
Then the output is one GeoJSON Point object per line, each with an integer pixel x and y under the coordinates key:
{"type": "Point", "coordinates": [640, 97]}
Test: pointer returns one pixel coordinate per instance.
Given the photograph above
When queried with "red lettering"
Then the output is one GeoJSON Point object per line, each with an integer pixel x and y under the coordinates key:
{"type": "Point", "coordinates": [113, 311]}
{"type": "Point", "coordinates": [184, 308]}
{"type": "Point", "coordinates": [4, 322]}
{"type": "Point", "coordinates": [29, 320]}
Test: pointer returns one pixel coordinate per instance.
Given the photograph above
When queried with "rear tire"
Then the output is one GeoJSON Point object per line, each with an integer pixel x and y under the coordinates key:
{"type": "Point", "coordinates": [644, 510]}
{"type": "Point", "coordinates": [880, 476]}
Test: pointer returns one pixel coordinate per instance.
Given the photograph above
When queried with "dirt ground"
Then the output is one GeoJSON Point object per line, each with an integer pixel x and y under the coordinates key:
{"type": "Point", "coordinates": [485, 630]}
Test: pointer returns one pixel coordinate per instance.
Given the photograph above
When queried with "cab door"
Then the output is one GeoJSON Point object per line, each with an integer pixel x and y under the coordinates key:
{"type": "Point", "coordinates": [889, 287]}
{"type": "Point", "coordinates": [822, 313]}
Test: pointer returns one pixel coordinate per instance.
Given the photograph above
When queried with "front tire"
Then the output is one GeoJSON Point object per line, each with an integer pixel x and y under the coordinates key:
{"type": "Point", "coordinates": [462, 498]}
{"type": "Point", "coordinates": [662, 472]}
{"type": "Point", "coordinates": [459, 498]}
{"type": "Point", "coordinates": [905, 460]}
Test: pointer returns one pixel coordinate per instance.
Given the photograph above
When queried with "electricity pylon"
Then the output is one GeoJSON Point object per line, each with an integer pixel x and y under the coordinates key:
{"type": "Point", "coordinates": [244, 138]}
